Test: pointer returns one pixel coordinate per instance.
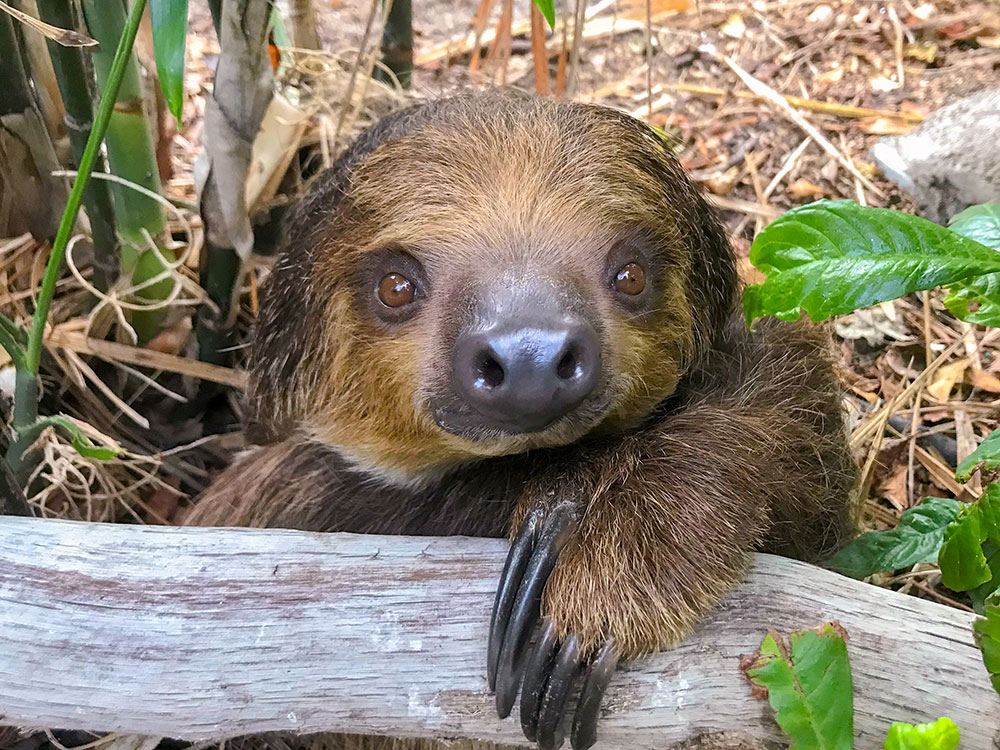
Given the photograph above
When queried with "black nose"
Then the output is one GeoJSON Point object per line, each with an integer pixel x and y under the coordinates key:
{"type": "Point", "coordinates": [525, 375]}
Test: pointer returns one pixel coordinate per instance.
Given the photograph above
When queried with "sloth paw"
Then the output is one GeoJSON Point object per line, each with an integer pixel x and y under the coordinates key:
{"type": "Point", "coordinates": [547, 673]}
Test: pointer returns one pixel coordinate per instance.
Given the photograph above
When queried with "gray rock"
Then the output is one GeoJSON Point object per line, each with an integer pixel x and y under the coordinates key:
{"type": "Point", "coordinates": [951, 160]}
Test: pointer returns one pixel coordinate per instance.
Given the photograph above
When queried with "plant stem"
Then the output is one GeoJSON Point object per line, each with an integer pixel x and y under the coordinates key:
{"type": "Point", "coordinates": [28, 156]}
{"type": "Point", "coordinates": [76, 87]}
{"type": "Point", "coordinates": [397, 43]}
{"type": "Point", "coordinates": [132, 155]}
{"type": "Point", "coordinates": [104, 111]}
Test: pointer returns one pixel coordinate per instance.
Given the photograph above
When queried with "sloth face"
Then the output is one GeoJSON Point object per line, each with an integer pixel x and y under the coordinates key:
{"type": "Point", "coordinates": [497, 283]}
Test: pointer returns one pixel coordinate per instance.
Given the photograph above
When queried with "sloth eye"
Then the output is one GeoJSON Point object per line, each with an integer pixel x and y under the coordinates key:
{"type": "Point", "coordinates": [395, 290]}
{"type": "Point", "coordinates": [630, 279]}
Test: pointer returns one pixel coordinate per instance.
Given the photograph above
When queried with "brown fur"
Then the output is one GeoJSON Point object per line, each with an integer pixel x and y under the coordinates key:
{"type": "Point", "coordinates": [714, 441]}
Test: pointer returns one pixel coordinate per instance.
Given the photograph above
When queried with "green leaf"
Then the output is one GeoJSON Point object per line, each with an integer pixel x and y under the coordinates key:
{"type": "Point", "coordinates": [941, 735]}
{"type": "Point", "coordinates": [169, 22]}
{"type": "Point", "coordinates": [808, 683]}
{"type": "Point", "coordinates": [980, 223]}
{"type": "Point", "coordinates": [961, 559]}
{"type": "Point", "coordinates": [987, 634]}
{"type": "Point", "coordinates": [979, 594]}
{"type": "Point", "coordinates": [976, 300]}
{"type": "Point", "coordinates": [988, 453]}
{"type": "Point", "coordinates": [81, 443]}
{"type": "Point", "coordinates": [548, 8]}
{"type": "Point", "coordinates": [832, 257]}
{"type": "Point", "coordinates": [917, 538]}
{"type": "Point", "coordinates": [13, 339]}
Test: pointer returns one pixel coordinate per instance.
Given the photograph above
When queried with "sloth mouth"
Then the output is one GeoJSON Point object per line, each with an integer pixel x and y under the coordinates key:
{"type": "Point", "coordinates": [465, 423]}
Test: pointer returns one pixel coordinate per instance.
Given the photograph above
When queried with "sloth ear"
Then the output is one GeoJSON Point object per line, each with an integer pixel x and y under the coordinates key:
{"type": "Point", "coordinates": [289, 325]}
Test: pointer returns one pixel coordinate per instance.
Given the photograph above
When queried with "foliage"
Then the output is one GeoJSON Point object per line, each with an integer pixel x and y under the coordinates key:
{"type": "Point", "coordinates": [808, 684]}
{"type": "Point", "coordinates": [939, 735]}
{"type": "Point", "coordinates": [987, 633]}
{"type": "Point", "coordinates": [548, 9]}
{"type": "Point", "coordinates": [962, 559]}
{"type": "Point", "coordinates": [833, 257]}
{"type": "Point", "coordinates": [169, 22]}
{"type": "Point", "coordinates": [916, 539]}
{"type": "Point", "coordinates": [977, 300]}
{"type": "Point", "coordinates": [26, 350]}
{"type": "Point", "coordinates": [987, 454]}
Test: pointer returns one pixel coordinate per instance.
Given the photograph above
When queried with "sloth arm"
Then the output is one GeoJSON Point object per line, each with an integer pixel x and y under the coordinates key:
{"type": "Point", "coordinates": [751, 455]}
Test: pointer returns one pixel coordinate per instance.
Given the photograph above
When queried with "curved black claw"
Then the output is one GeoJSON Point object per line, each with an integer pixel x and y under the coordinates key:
{"type": "Point", "coordinates": [536, 677]}
{"type": "Point", "coordinates": [599, 673]}
{"type": "Point", "coordinates": [514, 631]}
{"type": "Point", "coordinates": [510, 580]}
{"type": "Point", "coordinates": [564, 673]}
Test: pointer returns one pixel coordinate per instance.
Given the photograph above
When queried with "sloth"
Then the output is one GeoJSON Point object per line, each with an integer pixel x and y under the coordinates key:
{"type": "Point", "coordinates": [506, 315]}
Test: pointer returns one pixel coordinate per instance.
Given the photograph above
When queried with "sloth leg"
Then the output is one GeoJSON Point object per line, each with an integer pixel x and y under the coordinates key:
{"type": "Point", "coordinates": [627, 547]}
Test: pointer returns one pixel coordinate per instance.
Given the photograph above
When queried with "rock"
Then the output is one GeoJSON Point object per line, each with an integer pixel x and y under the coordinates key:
{"type": "Point", "coordinates": [951, 161]}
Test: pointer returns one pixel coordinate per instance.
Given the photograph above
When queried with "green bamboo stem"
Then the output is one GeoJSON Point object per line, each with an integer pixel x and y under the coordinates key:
{"type": "Point", "coordinates": [76, 88]}
{"type": "Point", "coordinates": [132, 156]}
{"type": "Point", "coordinates": [27, 414]}
{"type": "Point", "coordinates": [15, 93]}
{"type": "Point", "coordinates": [397, 43]}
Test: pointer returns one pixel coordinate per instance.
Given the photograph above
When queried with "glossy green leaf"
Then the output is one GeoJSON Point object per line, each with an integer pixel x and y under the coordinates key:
{"type": "Point", "coordinates": [979, 595]}
{"type": "Point", "coordinates": [81, 443]}
{"type": "Point", "coordinates": [808, 682]}
{"type": "Point", "coordinates": [548, 8]}
{"type": "Point", "coordinates": [989, 512]}
{"type": "Point", "coordinates": [961, 559]}
{"type": "Point", "coordinates": [988, 453]}
{"type": "Point", "coordinates": [942, 734]}
{"type": "Point", "coordinates": [980, 223]}
{"type": "Point", "coordinates": [917, 538]}
{"type": "Point", "coordinates": [976, 300]}
{"type": "Point", "coordinates": [833, 257]}
{"type": "Point", "coordinates": [169, 22]}
{"type": "Point", "coordinates": [987, 634]}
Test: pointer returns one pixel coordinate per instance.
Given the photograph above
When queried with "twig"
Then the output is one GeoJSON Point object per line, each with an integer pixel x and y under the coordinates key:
{"type": "Point", "coordinates": [539, 57]}
{"type": "Point", "coordinates": [826, 108]}
{"type": "Point", "coordinates": [649, 58]}
{"type": "Point", "coordinates": [898, 43]}
{"type": "Point", "coordinates": [77, 342]}
{"type": "Point", "coordinates": [762, 89]}
{"type": "Point", "coordinates": [578, 21]}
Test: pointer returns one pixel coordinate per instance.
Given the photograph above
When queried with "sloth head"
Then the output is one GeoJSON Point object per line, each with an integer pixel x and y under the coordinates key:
{"type": "Point", "coordinates": [487, 275]}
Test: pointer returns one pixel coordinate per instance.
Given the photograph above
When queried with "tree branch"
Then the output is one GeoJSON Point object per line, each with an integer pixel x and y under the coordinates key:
{"type": "Point", "coordinates": [206, 633]}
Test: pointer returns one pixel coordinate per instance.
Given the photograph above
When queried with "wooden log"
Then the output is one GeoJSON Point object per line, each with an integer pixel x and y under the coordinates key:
{"type": "Point", "coordinates": [208, 633]}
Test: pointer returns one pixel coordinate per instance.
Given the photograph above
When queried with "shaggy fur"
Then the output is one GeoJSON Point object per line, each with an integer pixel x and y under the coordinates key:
{"type": "Point", "coordinates": [711, 441]}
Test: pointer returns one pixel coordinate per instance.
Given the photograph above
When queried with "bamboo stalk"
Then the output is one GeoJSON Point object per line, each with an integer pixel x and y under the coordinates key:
{"type": "Point", "coordinates": [25, 404]}
{"type": "Point", "coordinates": [397, 43]}
{"type": "Point", "coordinates": [76, 88]}
{"type": "Point", "coordinates": [132, 155]}
{"type": "Point", "coordinates": [28, 155]}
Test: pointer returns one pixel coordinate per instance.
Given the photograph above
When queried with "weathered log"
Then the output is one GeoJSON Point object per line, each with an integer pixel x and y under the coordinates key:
{"type": "Point", "coordinates": [206, 633]}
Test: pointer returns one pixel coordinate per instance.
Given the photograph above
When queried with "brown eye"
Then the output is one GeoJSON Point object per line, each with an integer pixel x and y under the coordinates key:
{"type": "Point", "coordinates": [631, 279]}
{"type": "Point", "coordinates": [395, 290]}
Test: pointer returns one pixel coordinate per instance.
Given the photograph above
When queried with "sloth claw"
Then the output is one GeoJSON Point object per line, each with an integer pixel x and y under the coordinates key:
{"type": "Point", "coordinates": [549, 670]}
{"type": "Point", "coordinates": [510, 580]}
{"type": "Point", "coordinates": [557, 689]}
{"type": "Point", "coordinates": [599, 673]}
{"type": "Point", "coordinates": [524, 613]}
{"type": "Point", "coordinates": [535, 677]}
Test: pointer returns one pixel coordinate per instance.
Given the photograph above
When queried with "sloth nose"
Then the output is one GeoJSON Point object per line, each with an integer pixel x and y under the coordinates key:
{"type": "Point", "coordinates": [524, 376]}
